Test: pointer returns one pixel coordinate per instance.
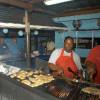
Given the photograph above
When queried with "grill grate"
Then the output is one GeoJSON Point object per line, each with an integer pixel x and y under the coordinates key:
{"type": "Point", "coordinates": [60, 89]}
{"type": "Point", "coordinates": [66, 91]}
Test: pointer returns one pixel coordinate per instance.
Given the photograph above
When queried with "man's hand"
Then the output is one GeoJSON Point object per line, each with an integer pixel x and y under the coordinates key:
{"type": "Point", "coordinates": [56, 70]}
{"type": "Point", "coordinates": [80, 74]}
{"type": "Point", "coordinates": [58, 73]}
{"type": "Point", "coordinates": [91, 70]}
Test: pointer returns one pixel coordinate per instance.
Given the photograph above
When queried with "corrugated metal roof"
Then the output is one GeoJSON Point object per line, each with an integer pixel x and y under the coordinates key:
{"type": "Point", "coordinates": [15, 15]}
{"type": "Point", "coordinates": [11, 14]}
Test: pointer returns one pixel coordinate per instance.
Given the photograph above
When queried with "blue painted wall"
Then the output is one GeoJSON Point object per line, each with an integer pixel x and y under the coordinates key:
{"type": "Point", "coordinates": [88, 21]}
{"type": "Point", "coordinates": [15, 48]}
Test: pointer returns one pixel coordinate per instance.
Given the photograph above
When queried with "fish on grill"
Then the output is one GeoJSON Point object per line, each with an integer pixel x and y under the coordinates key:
{"type": "Point", "coordinates": [91, 90]}
{"type": "Point", "coordinates": [32, 78]}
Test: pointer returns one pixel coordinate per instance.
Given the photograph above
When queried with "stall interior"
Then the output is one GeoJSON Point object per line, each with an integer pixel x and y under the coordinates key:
{"type": "Point", "coordinates": [13, 46]}
{"type": "Point", "coordinates": [29, 84]}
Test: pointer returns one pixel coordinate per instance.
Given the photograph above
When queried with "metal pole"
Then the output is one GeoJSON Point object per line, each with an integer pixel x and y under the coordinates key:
{"type": "Point", "coordinates": [27, 30]}
{"type": "Point", "coordinates": [92, 39]}
{"type": "Point", "coordinates": [76, 40]}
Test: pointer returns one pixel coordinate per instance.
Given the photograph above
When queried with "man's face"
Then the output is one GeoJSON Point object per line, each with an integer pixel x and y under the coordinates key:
{"type": "Point", "coordinates": [68, 45]}
{"type": "Point", "coordinates": [14, 39]}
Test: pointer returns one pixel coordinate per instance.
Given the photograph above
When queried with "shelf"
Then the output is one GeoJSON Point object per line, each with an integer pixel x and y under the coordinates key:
{"type": "Point", "coordinates": [86, 30]}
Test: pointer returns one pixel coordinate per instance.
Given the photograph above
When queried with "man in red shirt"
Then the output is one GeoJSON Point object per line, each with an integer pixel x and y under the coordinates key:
{"type": "Point", "coordinates": [93, 64]}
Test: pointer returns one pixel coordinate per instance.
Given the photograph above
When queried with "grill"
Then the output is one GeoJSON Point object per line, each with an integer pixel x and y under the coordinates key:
{"type": "Point", "coordinates": [62, 90]}
{"type": "Point", "coordinates": [58, 89]}
{"type": "Point", "coordinates": [68, 91]}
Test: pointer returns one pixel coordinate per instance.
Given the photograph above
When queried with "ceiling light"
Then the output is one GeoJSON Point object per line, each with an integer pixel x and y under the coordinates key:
{"type": "Point", "coordinates": [36, 32]}
{"type": "Point", "coordinates": [52, 2]}
{"type": "Point", "coordinates": [20, 33]}
{"type": "Point", "coordinates": [5, 30]}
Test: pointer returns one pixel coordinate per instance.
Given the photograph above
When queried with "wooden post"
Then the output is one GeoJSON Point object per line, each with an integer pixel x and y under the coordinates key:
{"type": "Point", "coordinates": [28, 47]}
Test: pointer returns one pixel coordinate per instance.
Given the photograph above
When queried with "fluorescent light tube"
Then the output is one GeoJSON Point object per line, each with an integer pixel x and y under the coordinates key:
{"type": "Point", "coordinates": [52, 2]}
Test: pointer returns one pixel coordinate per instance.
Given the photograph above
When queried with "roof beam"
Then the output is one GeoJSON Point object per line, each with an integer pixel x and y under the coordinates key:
{"type": "Point", "coordinates": [80, 11]}
{"type": "Point", "coordinates": [21, 4]}
{"type": "Point", "coordinates": [36, 1]}
{"type": "Point", "coordinates": [32, 27]}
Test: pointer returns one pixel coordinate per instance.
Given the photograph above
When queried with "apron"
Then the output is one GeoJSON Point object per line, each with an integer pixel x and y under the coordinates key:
{"type": "Point", "coordinates": [66, 61]}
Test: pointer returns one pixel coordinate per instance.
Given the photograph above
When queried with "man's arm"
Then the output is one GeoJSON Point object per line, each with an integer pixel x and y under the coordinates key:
{"type": "Point", "coordinates": [91, 64]}
{"type": "Point", "coordinates": [52, 61]}
{"type": "Point", "coordinates": [52, 66]}
{"type": "Point", "coordinates": [77, 61]}
{"type": "Point", "coordinates": [91, 69]}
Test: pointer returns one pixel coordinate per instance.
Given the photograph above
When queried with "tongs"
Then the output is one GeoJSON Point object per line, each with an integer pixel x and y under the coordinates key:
{"type": "Point", "coordinates": [74, 73]}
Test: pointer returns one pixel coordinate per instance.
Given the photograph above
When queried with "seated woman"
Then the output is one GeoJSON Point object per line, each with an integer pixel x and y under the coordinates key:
{"type": "Point", "coordinates": [50, 46]}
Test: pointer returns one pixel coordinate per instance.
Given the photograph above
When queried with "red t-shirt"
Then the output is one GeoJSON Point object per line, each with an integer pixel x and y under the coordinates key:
{"type": "Point", "coordinates": [94, 57]}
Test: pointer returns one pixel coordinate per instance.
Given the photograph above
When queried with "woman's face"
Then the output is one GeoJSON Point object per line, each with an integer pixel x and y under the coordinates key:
{"type": "Point", "coordinates": [68, 45]}
{"type": "Point", "coordinates": [1, 40]}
